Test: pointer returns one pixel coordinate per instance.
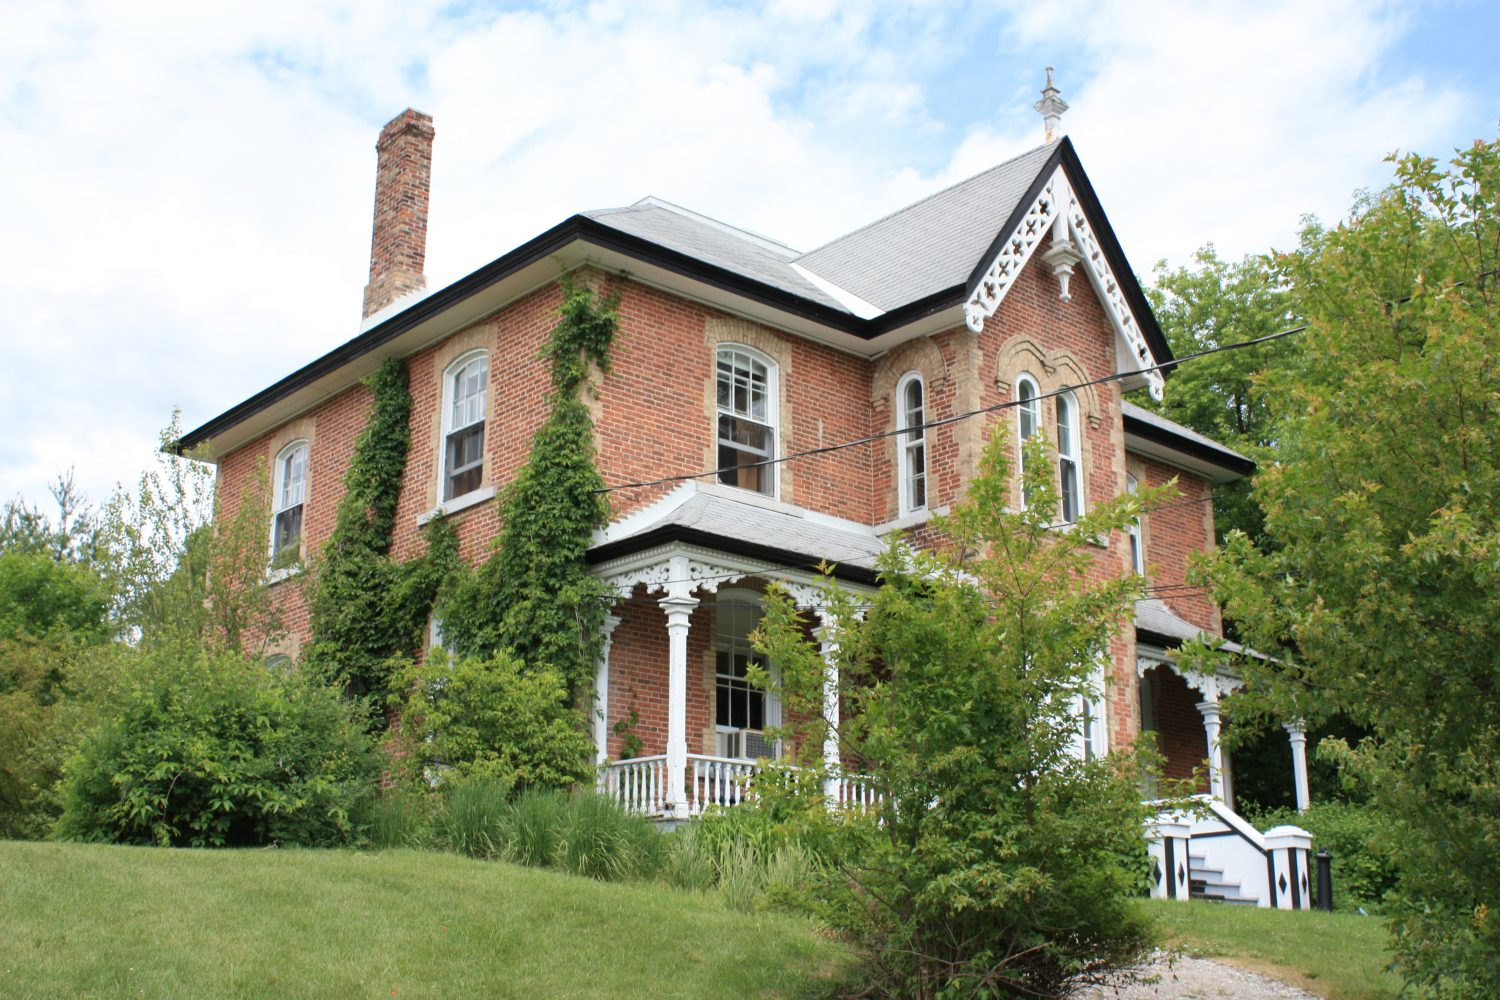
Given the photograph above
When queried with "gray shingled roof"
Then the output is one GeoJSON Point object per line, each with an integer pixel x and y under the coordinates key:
{"type": "Point", "coordinates": [1154, 616]}
{"type": "Point", "coordinates": [1129, 409]}
{"type": "Point", "coordinates": [932, 245]}
{"type": "Point", "coordinates": [751, 523]}
{"type": "Point", "coordinates": [719, 245]}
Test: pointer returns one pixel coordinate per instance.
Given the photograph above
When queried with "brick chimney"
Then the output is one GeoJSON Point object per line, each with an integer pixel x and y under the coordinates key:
{"type": "Point", "coordinates": [398, 246]}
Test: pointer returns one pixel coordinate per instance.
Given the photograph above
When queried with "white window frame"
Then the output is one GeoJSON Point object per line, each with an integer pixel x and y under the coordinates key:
{"type": "Point", "coordinates": [911, 445]}
{"type": "Point", "coordinates": [451, 427]}
{"type": "Point", "coordinates": [1091, 739]}
{"type": "Point", "coordinates": [1028, 410]}
{"type": "Point", "coordinates": [770, 421]}
{"type": "Point", "coordinates": [1133, 532]}
{"type": "Point", "coordinates": [283, 501]}
{"type": "Point", "coordinates": [737, 600]}
{"type": "Point", "coordinates": [1069, 458]}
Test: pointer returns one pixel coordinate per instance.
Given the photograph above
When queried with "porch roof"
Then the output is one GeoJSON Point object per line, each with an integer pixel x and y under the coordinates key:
{"type": "Point", "coordinates": [1156, 621]}
{"type": "Point", "coordinates": [787, 536]}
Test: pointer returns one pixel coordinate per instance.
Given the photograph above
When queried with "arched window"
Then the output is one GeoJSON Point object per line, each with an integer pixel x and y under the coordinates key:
{"type": "Point", "coordinates": [1137, 549]}
{"type": "Point", "coordinates": [912, 443]}
{"type": "Point", "coordinates": [288, 491]}
{"type": "Point", "coordinates": [1068, 477]}
{"type": "Point", "coordinates": [747, 418]}
{"type": "Point", "coordinates": [1028, 424]}
{"type": "Point", "coordinates": [465, 389]}
{"type": "Point", "coordinates": [278, 661]}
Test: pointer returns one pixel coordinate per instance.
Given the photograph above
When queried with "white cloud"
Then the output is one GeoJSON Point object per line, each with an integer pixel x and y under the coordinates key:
{"type": "Point", "coordinates": [189, 189]}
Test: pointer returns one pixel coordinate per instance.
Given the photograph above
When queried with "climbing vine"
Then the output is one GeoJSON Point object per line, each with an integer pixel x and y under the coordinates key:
{"type": "Point", "coordinates": [534, 595]}
{"type": "Point", "coordinates": [367, 610]}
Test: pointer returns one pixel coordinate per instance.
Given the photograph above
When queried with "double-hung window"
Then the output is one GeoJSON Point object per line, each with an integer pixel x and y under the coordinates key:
{"type": "Point", "coordinates": [912, 443]}
{"type": "Point", "coordinates": [742, 711]}
{"type": "Point", "coordinates": [1028, 425]}
{"type": "Point", "coordinates": [746, 413]}
{"type": "Point", "coordinates": [464, 396]}
{"type": "Point", "coordinates": [1068, 478]}
{"type": "Point", "coordinates": [289, 491]}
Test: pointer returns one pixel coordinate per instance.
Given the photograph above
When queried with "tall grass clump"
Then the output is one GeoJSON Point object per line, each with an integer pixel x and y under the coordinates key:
{"type": "Point", "coordinates": [599, 839]}
{"type": "Point", "coordinates": [400, 818]}
{"type": "Point", "coordinates": [476, 819]}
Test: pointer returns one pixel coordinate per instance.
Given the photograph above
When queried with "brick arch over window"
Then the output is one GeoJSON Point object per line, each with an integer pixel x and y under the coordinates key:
{"type": "Point", "coordinates": [726, 331]}
{"type": "Point", "coordinates": [1052, 370]}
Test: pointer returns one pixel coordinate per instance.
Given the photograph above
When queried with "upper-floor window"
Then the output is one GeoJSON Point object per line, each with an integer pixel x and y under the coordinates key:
{"type": "Point", "coordinates": [1068, 477]}
{"type": "Point", "coordinates": [288, 491]}
{"type": "Point", "coordinates": [746, 420]}
{"type": "Point", "coordinates": [1137, 549]}
{"type": "Point", "coordinates": [1028, 425]}
{"type": "Point", "coordinates": [464, 394]}
{"type": "Point", "coordinates": [912, 443]}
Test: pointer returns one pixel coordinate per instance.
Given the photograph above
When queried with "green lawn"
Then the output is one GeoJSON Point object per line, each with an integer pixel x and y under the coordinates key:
{"type": "Point", "coordinates": [1337, 955]}
{"type": "Point", "coordinates": [93, 921]}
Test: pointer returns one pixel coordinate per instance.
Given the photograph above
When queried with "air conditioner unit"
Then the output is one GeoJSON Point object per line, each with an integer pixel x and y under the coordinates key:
{"type": "Point", "coordinates": [748, 744]}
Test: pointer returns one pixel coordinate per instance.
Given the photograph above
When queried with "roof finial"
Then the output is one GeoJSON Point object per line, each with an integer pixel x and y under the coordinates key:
{"type": "Point", "coordinates": [1051, 108]}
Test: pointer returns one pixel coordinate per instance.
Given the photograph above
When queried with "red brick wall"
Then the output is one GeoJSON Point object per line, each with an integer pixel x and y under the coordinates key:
{"type": "Point", "coordinates": [1180, 526]}
{"type": "Point", "coordinates": [1180, 736]}
{"type": "Point", "coordinates": [655, 417]}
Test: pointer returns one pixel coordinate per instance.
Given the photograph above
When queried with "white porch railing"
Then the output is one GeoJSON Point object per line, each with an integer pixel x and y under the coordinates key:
{"type": "Point", "coordinates": [641, 784]}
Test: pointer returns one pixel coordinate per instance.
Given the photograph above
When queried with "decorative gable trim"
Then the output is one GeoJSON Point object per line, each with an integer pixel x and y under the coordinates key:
{"type": "Point", "coordinates": [1057, 208]}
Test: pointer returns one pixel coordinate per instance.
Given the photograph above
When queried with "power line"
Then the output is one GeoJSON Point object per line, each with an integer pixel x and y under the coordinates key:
{"type": "Point", "coordinates": [945, 421]}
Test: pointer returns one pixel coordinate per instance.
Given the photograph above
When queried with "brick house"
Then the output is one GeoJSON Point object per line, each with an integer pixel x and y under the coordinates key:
{"type": "Point", "coordinates": [732, 348]}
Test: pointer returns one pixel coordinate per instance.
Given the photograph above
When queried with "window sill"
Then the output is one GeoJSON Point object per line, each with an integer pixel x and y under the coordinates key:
{"type": "Point", "coordinates": [911, 519]}
{"type": "Point", "coordinates": [275, 576]}
{"type": "Point", "coordinates": [471, 499]}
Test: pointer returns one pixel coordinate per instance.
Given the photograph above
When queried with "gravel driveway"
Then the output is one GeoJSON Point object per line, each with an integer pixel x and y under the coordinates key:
{"type": "Point", "coordinates": [1188, 978]}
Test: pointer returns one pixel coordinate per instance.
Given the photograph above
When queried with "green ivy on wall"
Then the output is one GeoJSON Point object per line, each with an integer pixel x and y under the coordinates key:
{"type": "Point", "coordinates": [534, 595]}
{"type": "Point", "coordinates": [367, 610]}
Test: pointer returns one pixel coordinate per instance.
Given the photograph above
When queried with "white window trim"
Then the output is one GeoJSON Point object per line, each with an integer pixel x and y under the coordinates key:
{"type": "Point", "coordinates": [1035, 411]}
{"type": "Point", "coordinates": [1133, 532]}
{"type": "Point", "coordinates": [278, 485]}
{"type": "Point", "coordinates": [773, 415]}
{"type": "Point", "coordinates": [1074, 454]}
{"type": "Point", "coordinates": [454, 367]}
{"type": "Point", "coordinates": [905, 446]}
{"type": "Point", "coordinates": [1091, 738]}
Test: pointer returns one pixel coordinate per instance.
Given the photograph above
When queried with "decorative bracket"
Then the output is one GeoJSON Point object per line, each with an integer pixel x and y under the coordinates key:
{"type": "Point", "coordinates": [1057, 208]}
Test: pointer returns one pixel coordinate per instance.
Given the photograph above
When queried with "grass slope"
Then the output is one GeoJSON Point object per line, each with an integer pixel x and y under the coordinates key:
{"type": "Point", "coordinates": [1342, 956]}
{"type": "Point", "coordinates": [95, 921]}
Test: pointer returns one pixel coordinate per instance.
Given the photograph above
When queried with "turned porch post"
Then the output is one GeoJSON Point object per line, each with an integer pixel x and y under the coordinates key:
{"type": "Point", "coordinates": [678, 605]}
{"type": "Point", "coordinates": [1297, 735]}
{"type": "Point", "coordinates": [829, 647]}
{"type": "Point", "coordinates": [601, 692]}
{"type": "Point", "coordinates": [1212, 723]}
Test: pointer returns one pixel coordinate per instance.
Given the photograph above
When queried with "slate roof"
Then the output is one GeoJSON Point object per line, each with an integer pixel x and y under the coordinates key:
{"type": "Point", "coordinates": [1154, 616]}
{"type": "Point", "coordinates": [759, 259]}
{"type": "Point", "coordinates": [931, 245]}
{"type": "Point", "coordinates": [778, 535]}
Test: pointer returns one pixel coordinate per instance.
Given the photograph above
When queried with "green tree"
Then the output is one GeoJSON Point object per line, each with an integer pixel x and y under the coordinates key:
{"type": "Point", "coordinates": [1380, 592]}
{"type": "Point", "coordinates": [1208, 304]}
{"type": "Point", "coordinates": [998, 861]}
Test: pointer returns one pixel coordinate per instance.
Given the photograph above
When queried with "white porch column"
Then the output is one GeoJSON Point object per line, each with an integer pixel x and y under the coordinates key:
{"type": "Point", "coordinates": [601, 691]}
{"type": "Point", "coordinates": [1212, 723]}
{"type": "Point", "coordinates": [678, 605]}
{"type": "Point", "coordinates": [829, 647]}
{"type": "Point", "coordinates": [1297, 735]}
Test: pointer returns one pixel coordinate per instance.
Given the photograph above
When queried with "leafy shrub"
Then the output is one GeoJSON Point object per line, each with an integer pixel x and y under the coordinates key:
{"type": "Point", "coordinates": [213, 750]}
{"type": "Point", "coordinates": [494, 717]}
{"type": "Point", "coordinates": [1358, 837]}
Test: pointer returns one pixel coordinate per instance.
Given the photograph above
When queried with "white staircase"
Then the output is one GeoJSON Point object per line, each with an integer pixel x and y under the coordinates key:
{"type": "Point", "coordinates": [1213, 885]}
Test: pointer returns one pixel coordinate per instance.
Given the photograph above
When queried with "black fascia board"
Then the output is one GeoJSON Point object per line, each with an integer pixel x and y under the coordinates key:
{"type": "Point", "coordinates": [1222, 458]}
{"type": "Point", "coordinates": [684, 534]}
{"type": "Point", "coordinates": [576, 228]}
{"type": "Point", "coordinates": [1146, 637]}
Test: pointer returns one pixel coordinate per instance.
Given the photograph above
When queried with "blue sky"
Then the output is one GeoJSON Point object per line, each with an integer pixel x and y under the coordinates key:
{"type": "Point", "coordinates": [190, 184]}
